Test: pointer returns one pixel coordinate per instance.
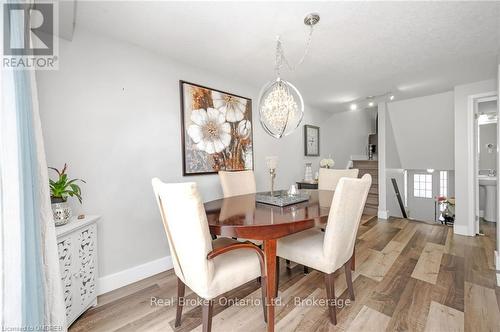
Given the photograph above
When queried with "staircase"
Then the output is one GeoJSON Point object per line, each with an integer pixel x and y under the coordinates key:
{"type": "Point", "coordinates": [369, 167]}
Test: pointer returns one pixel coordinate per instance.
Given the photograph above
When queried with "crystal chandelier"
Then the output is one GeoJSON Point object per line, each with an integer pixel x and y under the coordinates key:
{"type": "Point", "coordinates": [281, 107]}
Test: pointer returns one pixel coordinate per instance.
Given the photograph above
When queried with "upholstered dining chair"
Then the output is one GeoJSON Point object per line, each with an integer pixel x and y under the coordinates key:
{"type": "Point", "coordinates": [237, 183]}
{"type": "Point", "coordinates": [328, 178]}
{"type": "Point", "coordinates": [209, 267]}
{"type": "Point", "coordinates": [328, 251]}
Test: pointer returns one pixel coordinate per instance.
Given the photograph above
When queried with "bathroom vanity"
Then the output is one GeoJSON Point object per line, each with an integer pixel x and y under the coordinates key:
{"type": "Point", "coordinates": [488, 196]}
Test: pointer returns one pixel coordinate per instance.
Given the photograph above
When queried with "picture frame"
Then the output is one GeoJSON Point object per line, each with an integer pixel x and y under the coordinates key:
{"type": "Point", "coordinates": [311, 141]}
{"type": "Point", "coordinates": [216, 130]}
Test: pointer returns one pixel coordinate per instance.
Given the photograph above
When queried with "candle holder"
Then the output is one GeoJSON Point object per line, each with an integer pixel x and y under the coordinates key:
{"type": "Point", "coordinates": [272, 163]}
{"type": "Point", "coordinates": [272, 172]}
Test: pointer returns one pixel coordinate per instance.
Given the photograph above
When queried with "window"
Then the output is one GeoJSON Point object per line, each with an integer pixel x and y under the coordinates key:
{"type": "Point", "coordinates": [443, 183]}
{"type": "Point", "coordinates": [422, 185]}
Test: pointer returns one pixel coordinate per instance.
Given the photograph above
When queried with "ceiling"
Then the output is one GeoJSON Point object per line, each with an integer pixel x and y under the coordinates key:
{"type": "Point", "coordinates": [358, 48]}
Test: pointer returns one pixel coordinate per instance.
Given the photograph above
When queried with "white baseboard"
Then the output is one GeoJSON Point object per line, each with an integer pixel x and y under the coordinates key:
{"type": "Point", "coordinates": [383, 214]}
{"type": "Point", "coordinates": [462, 230]}
{"type": "Point", "coordinates": [119, 279]}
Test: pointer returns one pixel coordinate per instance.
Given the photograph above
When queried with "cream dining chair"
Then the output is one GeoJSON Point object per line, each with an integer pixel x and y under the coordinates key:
{"type": "Point", "coordinates": [328, 178]}
{"type": "Point", "coordinates": [208, 267]}
{"type": "Point", "coordinates": [328, 251]}
{"type": "Point", "coordinates": [237, 183]}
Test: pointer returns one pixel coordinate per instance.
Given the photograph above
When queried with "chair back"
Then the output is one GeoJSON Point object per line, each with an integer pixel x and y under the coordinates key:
{"type": "Point", "coordinates": [328, 178]}
{"type": "Point", "coordinates": [186, 226]}
{"type": "Point", "coordinates": [237, 183]}
{"type": "Point", "coordinates": [343, 221]}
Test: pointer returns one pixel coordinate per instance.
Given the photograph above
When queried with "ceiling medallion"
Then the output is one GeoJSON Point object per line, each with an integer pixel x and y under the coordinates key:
{"type": "Point", "coordinates": [281, 107]}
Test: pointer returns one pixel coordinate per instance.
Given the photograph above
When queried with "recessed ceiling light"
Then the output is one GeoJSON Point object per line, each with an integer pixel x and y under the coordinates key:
{"type": "Point", "coordinates": [371, 101]}
{"type": "Point", "coordinates": [353, 107]}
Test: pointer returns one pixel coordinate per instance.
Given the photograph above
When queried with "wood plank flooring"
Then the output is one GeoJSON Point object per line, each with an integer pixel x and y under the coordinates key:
{"type": "Point", "coordinates": [410, 276]}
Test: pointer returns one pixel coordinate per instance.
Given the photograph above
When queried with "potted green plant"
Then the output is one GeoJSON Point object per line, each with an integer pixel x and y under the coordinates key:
{"type": "Point", "coordinates": [60, 190]}
{"type": "Point", "coordinates": [448, 211]}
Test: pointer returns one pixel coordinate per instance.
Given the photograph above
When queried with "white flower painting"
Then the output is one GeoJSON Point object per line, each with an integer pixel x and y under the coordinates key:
{"type": "Point", "coordinates": [233, 107]}
{"type": "Point", "coordinates": [210, 131]}
{"type": "Point", "coordinates": [217, 130]}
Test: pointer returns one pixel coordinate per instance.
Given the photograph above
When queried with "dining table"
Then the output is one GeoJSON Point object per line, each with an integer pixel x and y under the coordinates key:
{"type": "Point", "coordinates": [244, 217]}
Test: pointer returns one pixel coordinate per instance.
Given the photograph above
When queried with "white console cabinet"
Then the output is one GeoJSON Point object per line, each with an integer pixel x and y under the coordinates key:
{"type": "Point", "coordinates": [77, 249]}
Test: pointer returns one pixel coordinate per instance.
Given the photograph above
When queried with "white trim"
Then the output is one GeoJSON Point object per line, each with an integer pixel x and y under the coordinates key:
{"type": "Point", "coordinates": [382, 159]}
{"type": "Point", "coordinates": [119, 279]}
{"type": "Point", "coordinates": [467, 230]}
{"type": "Point", "coordinates": [383, 214]}
{"type": "Point", "coordinates": [471, 168]}
{"type": "Point", "coordinates": [497, 260]}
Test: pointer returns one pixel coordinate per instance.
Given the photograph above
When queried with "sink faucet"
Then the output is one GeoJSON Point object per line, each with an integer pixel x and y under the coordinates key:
{"type": "Point", "coordinates": [492, 172]}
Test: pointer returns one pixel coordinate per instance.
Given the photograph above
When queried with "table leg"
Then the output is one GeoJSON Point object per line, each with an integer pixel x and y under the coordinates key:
{"type": "Point", "coordinates": [270, 255]}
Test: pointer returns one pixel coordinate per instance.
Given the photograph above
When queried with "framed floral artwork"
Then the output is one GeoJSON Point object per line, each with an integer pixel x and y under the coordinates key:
{"type": "Point", "coordinates": [216, 130]}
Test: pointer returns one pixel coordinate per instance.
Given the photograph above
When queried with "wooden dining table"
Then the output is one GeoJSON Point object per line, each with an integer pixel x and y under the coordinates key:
{"type": "Point", "coordinates": [244, 217]}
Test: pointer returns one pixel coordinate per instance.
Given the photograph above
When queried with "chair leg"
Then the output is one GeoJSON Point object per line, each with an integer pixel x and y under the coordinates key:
{"type": "Point", "coordinates": [287, 263]}
{"type": "Point", "coordinates": [207, 311]}
{"type": "Point", "coordinates": [181, 288]}
{"type": "Point", "coordinates": [353, 257]}
{"type": "Point", "coordinates": [264, 296]}
{"type": "Point", "coordinates": [306, 270]}
{"type": "Point", "coordinates": [348, 278]}
{"type": "Point", "coordinates": [277, 276]}
{"type": "Point", "coordinates": [330, 294]}
{"type": "Point", "coordinates": [259, 281]}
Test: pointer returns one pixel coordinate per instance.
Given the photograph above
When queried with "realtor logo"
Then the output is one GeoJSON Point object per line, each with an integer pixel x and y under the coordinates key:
{"type": "Point", "coordinates": [29, 40]}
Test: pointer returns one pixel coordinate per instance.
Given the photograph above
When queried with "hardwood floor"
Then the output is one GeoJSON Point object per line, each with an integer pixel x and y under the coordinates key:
{"type": "Point", "coordinates": [409, 276]}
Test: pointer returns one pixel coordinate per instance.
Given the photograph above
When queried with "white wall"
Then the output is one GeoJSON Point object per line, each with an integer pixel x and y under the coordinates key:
{"type": "Point", "coordinates": [487, 107]}
{"type": "Point", "coordinates": [393, 160]}
{"type": "Point", "coordinates": [112, 112]}
{"type": "Point", "coordinates": [348, 134]}
{"type": "Point", "coordinates": [464, 208]}
{"type": "Point", "coordinates": [423, 130]}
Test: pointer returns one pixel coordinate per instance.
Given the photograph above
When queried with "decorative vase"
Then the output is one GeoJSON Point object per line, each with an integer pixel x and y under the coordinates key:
{"type": "Point", "coordinates": [61, 211]}
{"type": "Point", "coordinates": [308, 175]}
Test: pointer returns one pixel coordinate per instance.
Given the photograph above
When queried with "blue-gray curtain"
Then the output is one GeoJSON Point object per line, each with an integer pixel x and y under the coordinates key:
{"type": "Point", "coordinates": [31, 286]}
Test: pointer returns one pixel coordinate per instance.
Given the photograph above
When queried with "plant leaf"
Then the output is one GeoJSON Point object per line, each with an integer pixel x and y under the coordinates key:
{"type": "Point", "coordinates": [55, 169]}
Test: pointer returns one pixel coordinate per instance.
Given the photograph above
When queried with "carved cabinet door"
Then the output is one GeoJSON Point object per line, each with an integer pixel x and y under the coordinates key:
{"type": "Point", "coordinates": [66, 266]}
{"type": "Point", "coordinates": [78, 266]}
{"type": "Point", "coordinates": [87, 267]}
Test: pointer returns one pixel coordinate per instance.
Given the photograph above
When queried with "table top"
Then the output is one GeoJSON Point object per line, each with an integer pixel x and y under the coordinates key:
{"type": "Point", "coordinates": [243, 217]}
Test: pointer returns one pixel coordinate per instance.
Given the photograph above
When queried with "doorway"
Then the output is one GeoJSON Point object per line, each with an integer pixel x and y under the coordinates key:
{"type": "Point", "coordinates": [485, 164]}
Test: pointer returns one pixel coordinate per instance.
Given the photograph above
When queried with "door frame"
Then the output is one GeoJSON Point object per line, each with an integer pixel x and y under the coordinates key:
{"type": "Point", "coordinates": [473, 158]}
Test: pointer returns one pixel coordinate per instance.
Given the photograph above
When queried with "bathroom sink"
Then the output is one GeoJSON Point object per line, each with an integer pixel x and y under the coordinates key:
{"type": "Point", "coordinates": [489, 183]}
{"type": "Point", "coordinates": [487, 180]}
